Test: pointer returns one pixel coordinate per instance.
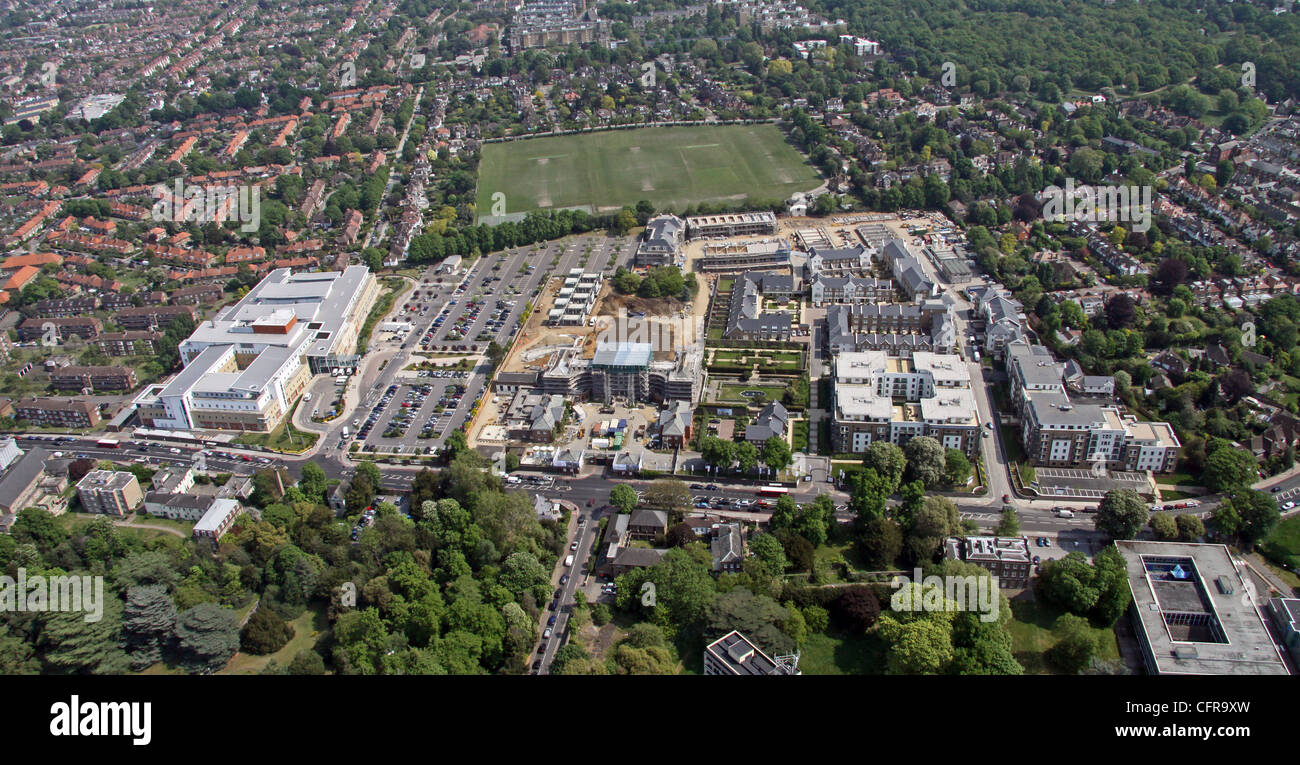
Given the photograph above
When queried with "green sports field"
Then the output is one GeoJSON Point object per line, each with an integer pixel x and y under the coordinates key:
{"type": "Point", "coordinates": [671, 167]}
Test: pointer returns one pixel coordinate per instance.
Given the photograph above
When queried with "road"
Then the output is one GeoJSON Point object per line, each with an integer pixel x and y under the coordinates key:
{"type": "Point", "coordinates": [585, 536]}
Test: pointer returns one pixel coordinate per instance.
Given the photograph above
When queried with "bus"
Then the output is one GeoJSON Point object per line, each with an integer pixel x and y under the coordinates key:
{"type": "Point", "coordinates": [773, 490]}
{"type": "Point", "coordinates": [108, 443]}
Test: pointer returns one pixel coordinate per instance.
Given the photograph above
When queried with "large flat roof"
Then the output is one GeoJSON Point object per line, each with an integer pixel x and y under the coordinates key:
{"type": "Point", "coordinates": [1196, 611]}
{"type": "Point", "coordinates": [623, 355]}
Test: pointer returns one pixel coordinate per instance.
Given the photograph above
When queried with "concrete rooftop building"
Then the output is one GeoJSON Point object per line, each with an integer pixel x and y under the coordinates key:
{"type": "Point", "coordinates": [1194, 612]}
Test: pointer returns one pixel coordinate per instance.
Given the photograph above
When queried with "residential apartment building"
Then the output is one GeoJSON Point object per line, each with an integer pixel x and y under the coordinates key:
{"type": "Point", "coordinates": [746, 319]}
{"type": "Point", "coordinates": [218, 519]}
{"type": "Point", "coordinates": [741, 256]}
{"type": "Point", "coordinates": [93, 378]}
{"type": "Point", "coordinates": [575, 299]}
{"type": "Point", "coordinates": [84, 327]}
{"type": "Point", "coordinates": [56, 413]}
{"type": "Point", "coordinates": [153, 316]}
{"type": "Point", "coordinates": [825, 289]}
{"type": "Point", "coordinates": [111, 492]}
{"type": "Point", "coordinates": [142, 342]}
{"type": "Point", "coordinates": [732, 225]}
{"type": "Point", "coordinates": [882, 398]}
{"type": "Point", "coordinates": [24, 483]}
{"type": "Point", "coordinates": [661, 244]}
{"type": "Point", "coordinates": [1058, 431]}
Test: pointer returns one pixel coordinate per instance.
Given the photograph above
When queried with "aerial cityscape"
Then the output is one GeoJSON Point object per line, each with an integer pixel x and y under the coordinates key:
{"type": "Point", "coordinates": [651, 337]}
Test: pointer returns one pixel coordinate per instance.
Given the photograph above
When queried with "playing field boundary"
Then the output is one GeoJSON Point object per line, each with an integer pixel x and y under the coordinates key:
{"type": "Point", "coordinates": [672, 166]}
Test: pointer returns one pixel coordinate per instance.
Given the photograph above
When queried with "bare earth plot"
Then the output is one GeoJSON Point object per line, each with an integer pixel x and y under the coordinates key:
{"type": "Point", "coordinates": [670, 167]}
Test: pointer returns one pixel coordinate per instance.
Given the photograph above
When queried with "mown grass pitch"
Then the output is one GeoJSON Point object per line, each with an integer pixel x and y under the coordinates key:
{"type": "Point", "coordinates": [671, 167]}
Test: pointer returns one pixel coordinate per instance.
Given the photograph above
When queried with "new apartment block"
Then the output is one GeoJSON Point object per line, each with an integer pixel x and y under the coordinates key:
{"type": "Point", "coordinates": [887, 398]}
{"type": "Point", "coordinates": [661, 244]}
{"type": "Point", "coordinates": [576, 298]}
{"type": "Point", "coordinates": [1060, 431]}
{"type": "Point", "coordinates": [624, 370]}
{"type": "Point", "coordinates": [732, 224]}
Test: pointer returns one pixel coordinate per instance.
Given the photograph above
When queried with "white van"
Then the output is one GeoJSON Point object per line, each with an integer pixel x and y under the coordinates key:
{"type": "Point", "coordinates": [568, 562]}
{"type": "Point", "coordinates": [1064, 513]}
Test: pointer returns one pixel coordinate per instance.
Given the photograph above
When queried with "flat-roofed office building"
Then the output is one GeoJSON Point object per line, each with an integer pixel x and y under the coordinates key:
{"type": "Point", "coordinates": [1194, 613]}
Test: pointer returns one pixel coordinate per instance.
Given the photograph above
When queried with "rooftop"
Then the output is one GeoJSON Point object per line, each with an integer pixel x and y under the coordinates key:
{"type": "Point", "coordinates": [1196, 612]}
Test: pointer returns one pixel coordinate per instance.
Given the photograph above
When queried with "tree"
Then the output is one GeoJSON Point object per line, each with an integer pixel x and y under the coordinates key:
{"type": "Point", "coordinates": [37, 527]}
{"type": "Point", "coordinates": [74, 646]}
{"type": "Point", "coordinates": [680, 535]}
{"type": "Point", "coordinates": [623, 497]}
{"type": "Point", "coordinates": [265, 633]}
{"type": "Point", "coordinates": [1068, 583]}
{"type": "Point", "coordinates": [813, 519]}
{"type": "Point", "coordinates": [918, 646]}
{"type": "Point", "coordinates": [1253, 515]}
{"type": "Point", "coordinates": [1164, 526]}
{"type": "Point", "coordinates": [869, 495]}
{"type": "Point", "coordinates": [359, 494]}
{"type": "Point", "coordinates": [1099, 591]}
{"type": "Point", "coordinates": [956, 468]}
{"type": "Point", "coordinates": [1227, 469]}
{"type": "Point", "coordinates": [17, 656]}
{"type": "Point", "coordinates": [148, 622]}
{"type": "Point", "coordinates": [314, 484]}
{"type": "Point", "coordinates": [888, 461]}
{"type": "Point", "coordinates": [926, 461]}
{"type": "Point", "coordinates": [1121, 514]}
{"type": "Point", "coordinates": [668, 494]}
{"type": "Point", "coordinates": [1075, 645]}
{"type": "Point", "coordinates": [856, 609]}
{"type": "Point", "coordinates": [307, 662]}
{"type": "Point", "coordinates": [880, 542]}
{"type": "Point", "coordinates": [767, 549]}
{"type": "Point", "coordinates": [776, 453]}
{"type": "Point", "coordinates": [1009, 525]}
{"type": "Point", "coordinates": [1190, 528]}
{"type": "Point", "coordinates": [757, 617]}
{"type": "Point", "coordinates": [937, 520]}
{"type": "Point", "coordinates": [717, 452]}
{"type": "Point", "coordinates": [1121, 311]}
{"type": "Point", "coordinates": [207, 636]}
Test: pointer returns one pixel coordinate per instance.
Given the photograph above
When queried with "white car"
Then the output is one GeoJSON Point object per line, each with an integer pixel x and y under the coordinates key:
{"type": "Point", "coordinates": [1288, 505]}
